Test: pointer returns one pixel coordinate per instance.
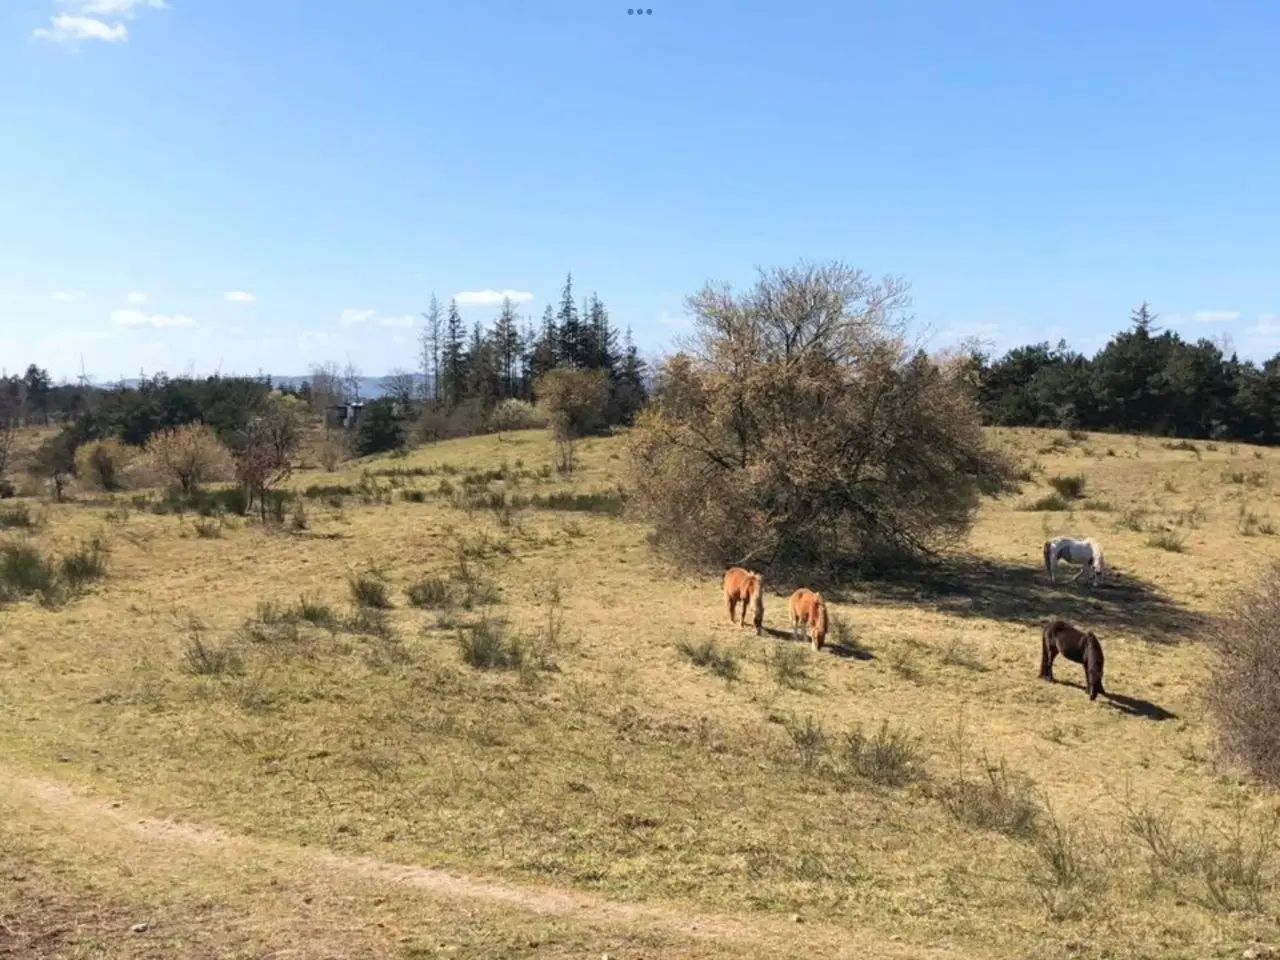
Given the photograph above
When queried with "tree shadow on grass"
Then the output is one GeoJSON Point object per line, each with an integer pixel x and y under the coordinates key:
{"type": "Point", "coordinates": [968, 586]}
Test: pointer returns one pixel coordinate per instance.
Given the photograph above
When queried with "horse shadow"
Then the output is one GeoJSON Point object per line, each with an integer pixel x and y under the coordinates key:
{"type": "Point", "coordinates": [969, 586]}
{"type": "Point", "coordinates": [1130, 705]}
{"type": "Point", "coordinates": [843, 650]}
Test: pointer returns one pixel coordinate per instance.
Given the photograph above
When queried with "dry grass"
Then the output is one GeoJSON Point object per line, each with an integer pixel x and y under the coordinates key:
{"type": "Point", "coordinates": [915, 780]}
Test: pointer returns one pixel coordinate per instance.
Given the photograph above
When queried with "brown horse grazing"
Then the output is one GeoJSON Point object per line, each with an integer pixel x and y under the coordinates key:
{"type": "Point", "coordinates": [1060, 637]}
{"type": "Point", "coordinates": [745, 587]}
{"type": "Point", "coordinates": [808, 607]}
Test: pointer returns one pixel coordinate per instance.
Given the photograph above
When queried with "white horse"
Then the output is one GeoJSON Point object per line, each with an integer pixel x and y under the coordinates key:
{"type": "Point", "coordinates": [1087, 553]}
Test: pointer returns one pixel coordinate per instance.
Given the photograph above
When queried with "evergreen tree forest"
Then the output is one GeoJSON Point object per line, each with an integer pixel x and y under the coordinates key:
{"type": "Point", "coordinates": [480, 367]}
{"type": "Point", "coordinates": [1145, 380]}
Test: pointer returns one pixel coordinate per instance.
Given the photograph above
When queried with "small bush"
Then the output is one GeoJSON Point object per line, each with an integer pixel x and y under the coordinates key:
{"type": "Point", "coordinates": [316, 613]}
{"type": "Point", "coordinates": [25, 572]}
{"type": "Point", "coordinates": [1244, 688]}
{"type": "Point", "coordinates": [18, 517]}
{"type": "Point", "coordinates": [998, 801]}
{"type": "Point", "coordinates": [709, 655]}
{"type": "Point", "coordinates": [891, 758]}
{"type": "Point", "coordinates": [370, 622]}
{"type": "Point", "coordinates": [486, 646]}
{"type": "Point", "coordinates": [84, 565]}
{"type": "Point", "coordinates": [413, 496]}
{"type": "Point", "coordinates": [370, 590]}
{"type": "Point", "coordinates": [430, 593]}
{"type": "Point", "coordinates": [1167, 540]}
{"type": "Point", "coordinates": [788, 665]}
{"type": "Point", "coordinates": [101, 464]}
{"type": "Point", "coordinates": [203, 659]}
{"type": "Point", "coordinates": [1069, 488]}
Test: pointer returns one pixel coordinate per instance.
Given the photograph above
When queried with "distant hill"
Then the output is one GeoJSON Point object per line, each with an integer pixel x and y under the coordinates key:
{"type": "Point", "coordinates": [370, 387]}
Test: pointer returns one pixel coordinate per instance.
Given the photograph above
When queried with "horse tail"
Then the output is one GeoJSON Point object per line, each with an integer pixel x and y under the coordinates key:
{"type": "Point", "coordinates": [821, 614]}
{"type": "Point", "coordinates": [1048, 559]}
{"type": "Point", "coordinates": [1099, 561]}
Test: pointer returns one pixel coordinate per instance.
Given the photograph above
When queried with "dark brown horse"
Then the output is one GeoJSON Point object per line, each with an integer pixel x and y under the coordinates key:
{"type": "Point", "coordinates": [1060, 637]}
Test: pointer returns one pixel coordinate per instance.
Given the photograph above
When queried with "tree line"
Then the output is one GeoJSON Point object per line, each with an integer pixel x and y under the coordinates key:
{"type": "Point", "coordinates": [465, 373]}
{"type": "Point", "coordinates": [1143, 381]}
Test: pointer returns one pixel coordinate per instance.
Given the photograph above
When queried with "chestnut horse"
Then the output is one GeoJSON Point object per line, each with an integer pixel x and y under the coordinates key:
{"type": "Point", "coordinates": [745, 587]}
{"type": "Point", "coordinates": [808, 607]}
{"type": "Point", "coordinates": [1060, 637]}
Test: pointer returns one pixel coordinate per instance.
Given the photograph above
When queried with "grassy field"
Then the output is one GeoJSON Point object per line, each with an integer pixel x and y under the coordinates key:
{"type": "Point", "coordinates": [455, 707]}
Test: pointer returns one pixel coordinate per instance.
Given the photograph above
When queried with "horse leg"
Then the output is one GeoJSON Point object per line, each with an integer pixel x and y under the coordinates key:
{"type": "Point", "coordinates": [731, 602]}
{"type": "Point", "coordinates": [1047, 654]}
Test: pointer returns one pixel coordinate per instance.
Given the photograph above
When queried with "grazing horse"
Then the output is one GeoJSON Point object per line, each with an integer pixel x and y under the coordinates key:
{"type": "Point", "coordinates": [808, 607]}
{"type": "Point", "coordinates": [1087, 553]}
{"type": "Point", "coordinates": [1060, 637]}
{"type": "Point", "coordinates": [745, 587]}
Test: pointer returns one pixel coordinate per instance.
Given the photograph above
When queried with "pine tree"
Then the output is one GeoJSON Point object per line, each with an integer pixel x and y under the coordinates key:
{"type": "Point", "coordinates": [629, 392]}
{"type": "Point", "coordinates": [545, 354]}
{"type": "Point", "coordinates": [482, 378]}
{"type": "Point", "coordinates": [429, 343]}
{"type": "Point", "coordinates": [569, 325]}
{"type": "Point", "coordinates": [602, 339]}
{"type": "Point", "coordinates": [453, 368]}
{"type": "Point", "coordinates": [506, 347]}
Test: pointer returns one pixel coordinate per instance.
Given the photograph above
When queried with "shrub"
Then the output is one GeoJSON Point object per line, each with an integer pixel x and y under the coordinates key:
{"type": "Point", "coordinates": [189, 455]}
{"type": "Point", "coordinates": [55, 460]}
{"type": "Point", "coordinates": [370, 590]}
{"type": "Point", "coordinates": [1244, 686]}
{"type": "Point", "coordinates": [513, 414]}
{"type": "Point", "coordinates": [101, 464]}
{"type": "Point", "coordinates": [379, 430]}
{"type": "Point", "coordinates": [430, 593]}
{"type": "Point", "coordinates": [1069, 488]}
{"type": "Point", "coordinates": [736, 456]}
{"type": "Point", "coordinates": [24, 572]}
{"type": "Point", "coordinates": [264, 454]}
{"type": "Point", "coordinates": [486, 646]}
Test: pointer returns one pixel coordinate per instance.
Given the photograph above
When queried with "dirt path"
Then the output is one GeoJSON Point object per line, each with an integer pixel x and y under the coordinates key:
{"type": "Point", "coordinates": [83, 814]}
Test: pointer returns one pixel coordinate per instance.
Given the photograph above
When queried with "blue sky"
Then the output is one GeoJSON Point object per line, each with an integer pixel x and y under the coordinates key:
{"type": "Point", "coordinates": [1034, 170]}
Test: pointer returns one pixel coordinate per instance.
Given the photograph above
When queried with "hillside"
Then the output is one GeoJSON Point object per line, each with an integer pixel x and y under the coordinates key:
{"type": "Point", "coordinates": [216, 745]}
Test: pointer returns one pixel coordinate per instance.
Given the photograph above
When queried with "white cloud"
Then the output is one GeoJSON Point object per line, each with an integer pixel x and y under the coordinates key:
{"type": "Point", "coordinates": [352, 317]}
{"type": "Point", "coordinates": [84, 20]}
{"type": "Point", "coordinates": [239, 296]}
{"type": "Point", "coordinates": [405, 321]}
{"type": "Point", "coordinates": [1217, 316]}
{"type": "Point", "coordinates": [68, 296]}
{"type": "Point", "coordinates": [490, 298]}
{"type": "Point", "coordinates": [137, 297]}
{"type": "Point", "coordinates": [120, 8]}
{"type": "Point", "coordinates": [136, 318]}
{"type": "Point", "coordinates": [67, 28]}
